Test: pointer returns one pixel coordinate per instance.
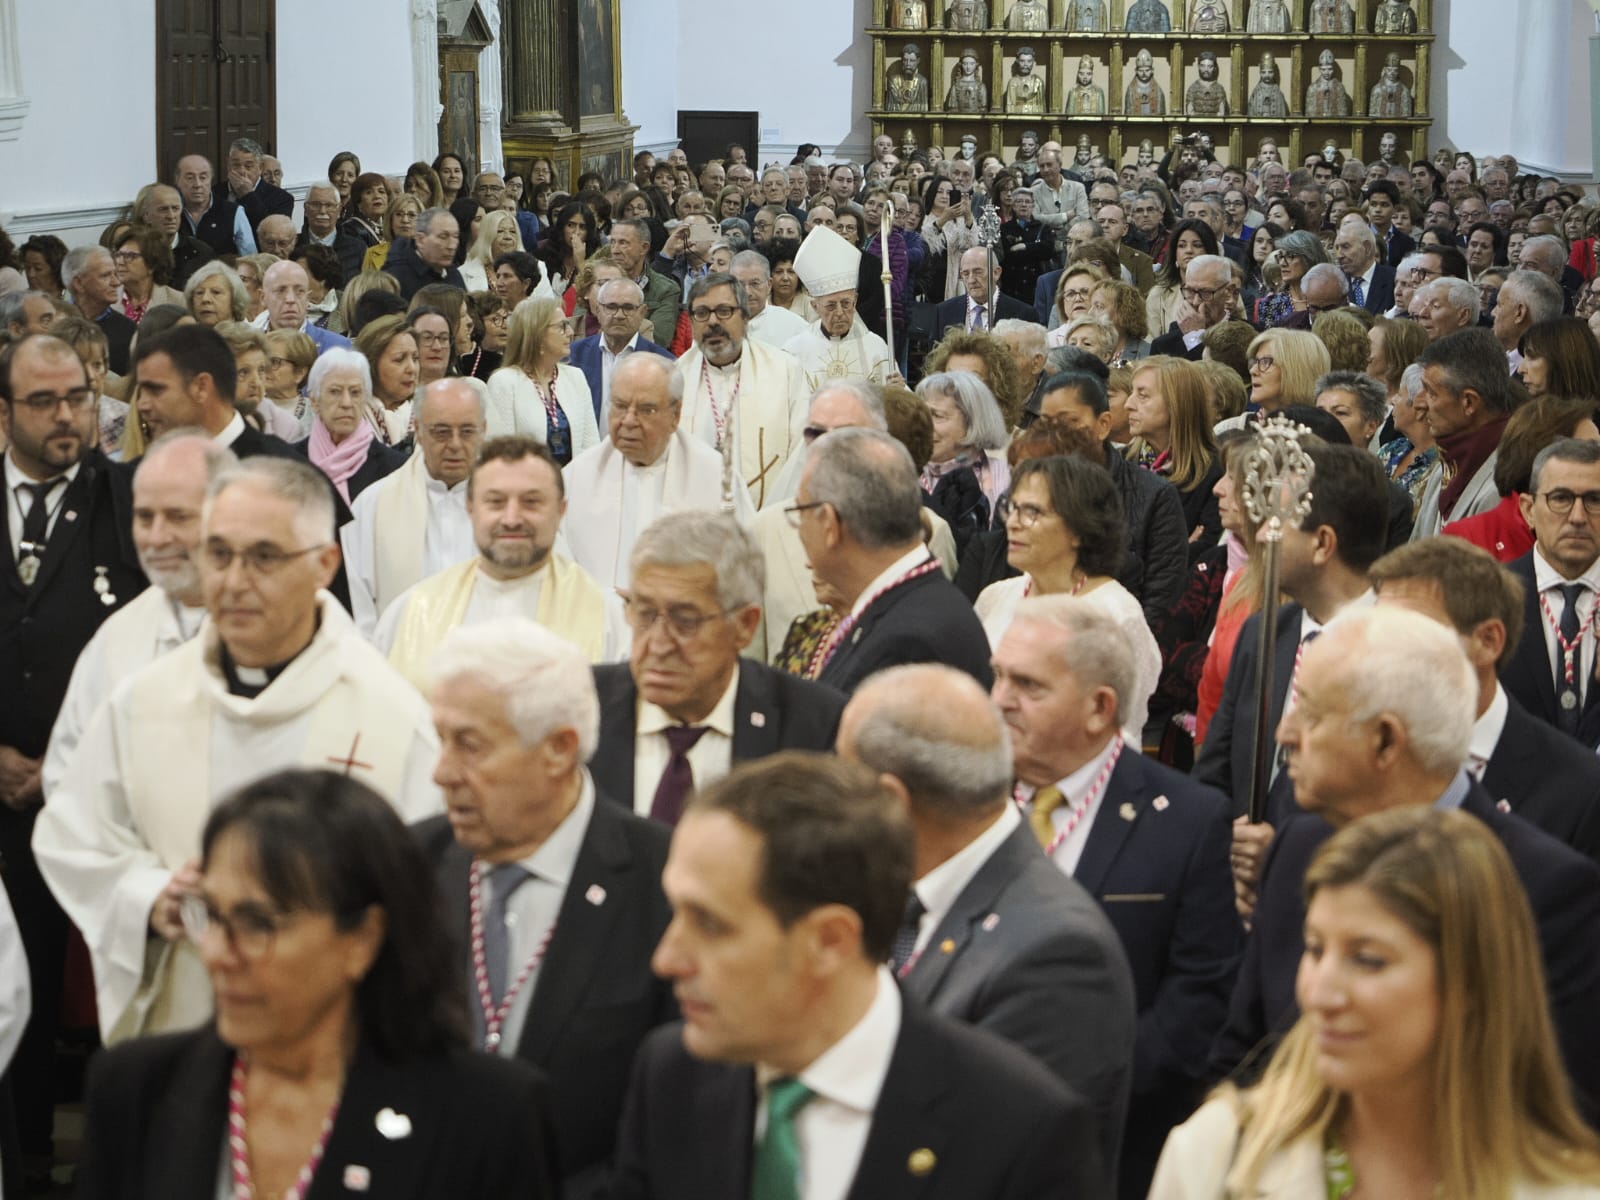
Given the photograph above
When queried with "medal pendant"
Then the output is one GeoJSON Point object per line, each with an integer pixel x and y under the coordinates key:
{"type": "Point", "coordinates": [102, 587]}
{"type": "Point", "coordinates": [28, 569]}
{"type": "Point", "coordinates": [1569, 700]}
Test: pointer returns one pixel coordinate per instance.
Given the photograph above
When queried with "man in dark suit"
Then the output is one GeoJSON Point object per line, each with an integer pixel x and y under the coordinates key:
{"type": "Point", "coordinates": [859, 507]}
{"type": "Point", "coordinates": [788, 880]}
{"type": "Point", "coordinates": [1383, 197]}
{"type": "Point", "coordinates": [687, 705]}
{"type": "Point", "coordinates": [1393, 729]}
{"type": "Point", "coordinates": [552, 890]}
{"type": "Point", "coordinates": [69, 563]}
{"type": "Point", "coordinates": [1208, 295]}
{"type": "Point", "coordinates": [621, 306]}
{"type": "Point", "coordinates": [1147, 842]}
{"type": "Point", "coordinates": [90, 275]}
{"type": "Point", "coordinates": [1560, 577]}
{"type": "Point", "coordinates": [245, 187]}
{"type": "Point", "coordinates": [980, 305]}
{"type": "Point", "coordinates": [994, 934]}
{"type": "Point", "coordinates": [1371, 282]}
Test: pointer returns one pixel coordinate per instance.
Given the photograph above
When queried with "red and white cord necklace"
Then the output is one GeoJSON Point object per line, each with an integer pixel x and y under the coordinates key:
{"type": "Point", "coordinates": [721, 416]}
{"type": "Point", "coordinates": [239, 1145]}
{"type": "Point", "coordinates": [830, 645]}
{"type": "Point", "coordinates": [552, 409]}
{"type": "Point", "coordinates": [494, 1015]}
{"type": "Point", "coordinates": [1569, 650]}
{"type": "Point", "coordinates": [1082, 807]}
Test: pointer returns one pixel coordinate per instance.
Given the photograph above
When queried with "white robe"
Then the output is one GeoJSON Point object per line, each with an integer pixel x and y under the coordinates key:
{"type": "Point", "coordinates": [610, 501]}
{"type": "Point", "coordinates": [769, 419]}
{"type": "Point", "coordinates": [774, 326]}
{"type": "Point", "coordinates": [141, 631]}
{"type": "Point", "coordinates": [425, 529]}
{"type": "Point", "coordinates": [860, 354]}
{"type": "Point", "coordinates": [16, 997]}
{"type": "Point", "coordinates": [514, 406]}
{"type": "Point", "coordinates": [164, 749]}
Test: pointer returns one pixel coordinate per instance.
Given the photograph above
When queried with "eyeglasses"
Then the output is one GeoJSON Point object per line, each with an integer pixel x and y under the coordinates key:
{"type": "Point", "coordinates": [1264, 363]}
{"type": "Point", "coordinates": [812, 432]}
{"type": "Point", "coordinates": [449, 433]}
{"type": "Point", "coordinates": [681, 623]}
{"type": "Point", "coordinates": [1561, 501]}
{"type": "Point", "coordinates": [321, 205]}
{"type": "Point", "coordinates": [127, 256]}
{"type": "Point", "coordinates": [1027, 515]}
{"type": "Point", "coordinates": [612, 310]}
{"type": "Point", "coordinates": [723, 312]}
{"type": "Point", "coordinates": [1422, 274]}
{"type": "Point", "coordinates": [258, 560]}
{"type": "Point", "coordinates": [431, 339]}
{"type": "Point", "coordinates": [251, 931]}
{"type": "Point", "coordinates": [78, 400]}
{"type": "Point", "coordinates": [644, 412]}
{"type": "Point", "coordinates": [795, 512]}
{"type": "Point", "coordinates": [1076, 294]}
{"type": "Point", "coordinates": [1200, 295]}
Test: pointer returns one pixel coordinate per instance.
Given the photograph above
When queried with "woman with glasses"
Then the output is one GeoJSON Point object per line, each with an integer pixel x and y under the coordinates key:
{"type": "Point", "coordinates": [144, 269]}
{"type": "Point", "coordinates": [390, 349]}
{"type": "Point", "coordinates": [215, 293]}
{"type": "Point", "coordinates": [1285, 365]}
{"type": "Point", "coordinates": [399, 221]}
{"type": "Point", "coordinates": [1074, 292]}
{"type": "Point", "coordinates": [337, 1061]}
{"type": "Point", "coordinates": [290, 356]}
{"type": "Point", "coordinates": [436, 343]}
{"type": "Point", "coordinates": [967, 468]}
{"type": "Point", "coordinates": [342, 444]}
{"type": "Point", "coordinates": [1297, 252]}
{"type": "Point", "coordinates": [536, 392]}
{"type": "Point", "coordinates": [490, 321]}
{"type": "Point", "coordinates": [1189, 240]}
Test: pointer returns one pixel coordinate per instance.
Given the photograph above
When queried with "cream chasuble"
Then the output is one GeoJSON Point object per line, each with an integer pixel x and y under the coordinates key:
{"type": "Point", "coordinates": [861, 354]}
{"type": "Point", "coordinates": [765, 396]}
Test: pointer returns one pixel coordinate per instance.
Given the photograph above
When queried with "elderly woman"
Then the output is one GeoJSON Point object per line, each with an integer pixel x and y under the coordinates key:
{"type": "Point", "coordinates": [1285, 365]}
{"type": "Point", "coordinates": [1411, 455]}
{"type": "Point", "coordinates": [250, 358]}
{"type": "Point", "coordinates": [518, 275]}
{"type": "Point", "coordinates": [730, 202]}
{"type": "Point", "coordinates": [1066, 533]}
{"type": "Point", "coordinates": [399, 221]}
{"type": "Point", "coordinates": [215, 293]}
{"type": "Point", "coordinates": [144, 269]}
{"type": "Point", "coordinates": [364, 212]}
{"type": "Point", "coordinates": [596, 273]}
{"type": "Point", "coordinates": [94, 352]}
{"type": "Point", "coordinates": [490, 322]}
{"type": "Point", "coordinates": [1123, 305]}
{"type": "Point", "coordinates": [969, 433]}
{"type": "Point", "coordinates": [342, 444]}
{"type": "Point", "coordinates": [1074, 290]}
{"type": "Point", "coordinates": [497, 235]}
{"type": "Point", "coordinates": [290, 356]}
{"type": "Point", "coordinates": [787, 290]}
{"type": "Point", "coordinates": [390, 349]}
{"type": "Point", "coordinates": [536, 393]}
{"type": "Point", "coordinates": [252, 269]}
{"type": "Point", "coordinates": [1297, 252]}
{"type": "Point", "coordinates": [340, 1036]}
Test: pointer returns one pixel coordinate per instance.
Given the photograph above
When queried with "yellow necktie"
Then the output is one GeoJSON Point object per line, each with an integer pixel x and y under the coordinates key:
{"type": "Point", "coordinates": [1045, 802]}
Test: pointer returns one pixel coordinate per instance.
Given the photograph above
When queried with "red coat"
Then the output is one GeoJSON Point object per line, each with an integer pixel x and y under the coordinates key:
{"type": "Point", "coordinates": [1501, 531]}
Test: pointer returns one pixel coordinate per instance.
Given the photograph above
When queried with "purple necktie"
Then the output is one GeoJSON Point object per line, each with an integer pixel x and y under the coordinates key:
{"type": "Point", "coordinates": [677, 781]}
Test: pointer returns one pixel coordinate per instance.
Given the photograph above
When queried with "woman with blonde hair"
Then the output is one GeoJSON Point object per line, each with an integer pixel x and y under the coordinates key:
{"type": "Point", "coordinates": [1170, 421]}
{"type": "Point", "coordinates": [394, 368]}
{"type": "Point", "coordinates": [1285, 365]}
{"type": "Point", "coordinates": [290, 357]}
{"type": "Point", "coordinates": [399, 221]}
{"type": "Point", "coordinates": [215, 293]}
{"type": "Point", "coordinates": [1090, 332]}
{"type": "Point", "coordinates": [537, 393]}
{"type": "Point", "coordinates": [1122, 305]}
{"type": "Point", "coordinates": [1424, 1063]}
{"type": "Point", "coordinates": [497, 234]}
{"type": "Point", "coordinates": [1073, 291]}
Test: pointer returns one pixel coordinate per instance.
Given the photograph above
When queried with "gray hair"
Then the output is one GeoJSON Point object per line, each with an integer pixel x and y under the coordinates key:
{"type": "Point", "coordinates": [291, 479]}
{"type": "Point", "coordinates": [715, 279]}
{"type": "Point", "coordinates": [698, 537]}
{"type": "Point", "coordinates": [77, 261]}
{"type": "Point", "coordinates": [1411, 383]}
{"type": "Point", "coordinates": [1106, 331]}
{"type": "Point", "coordinates": [1095, 651]}
{"type": "Point", "coordinates": [1369, 393]}
{"type": "Point", "coordinates": [321, 185]}
{"type": "Point", "coordinates": [866, 394]}
{"type": "Point", "coordinates": [1030, 335]}
{"type": "Point", "coordinates": [246, 145]}
{"type": "Point", "coordinates": [1360, 230]}
{"type": "Point", "coordinates": [1095, 228]}
{"type": "Point", "coordinates": [755, 259]}
{"type": "Point", "coordinates": [871, 482]}
{"type": "Point", "coordinates": [1547, 249]}
{"type": "Point", "coordinates": [1538, 291]}
{"type": "Point", "coordinates": [951, 763]}
{"type": "Point", "coordinates": [1302, 244]}
{"type": "Point", "coordinates": [1329, 272]}
{"type": "Point", "coordinates": [1209, 262]}
{"type": "Point", "coordinates": [543, 679]}
{"type": "Point", "coordinates": [217, 458]}
{"type": "Point", "coordinates": [1407, 264]}
{"type": "Point", "coordinates": [1457, 293]}
{"type": "Point", "coordinates": [986, 427]}
{"type": "Point", "coordinates": [428, 216]}
{"type": "Point", "coordinates": [666, 367]}
{"type": "Point", "coordinates": [338, 359]}
{"type": "Point", "coordinates": [236, 289]}
{"type": "Point", "coordinates": [12, 306]}
{"type": "Point", "coordinates": [1567, 449]}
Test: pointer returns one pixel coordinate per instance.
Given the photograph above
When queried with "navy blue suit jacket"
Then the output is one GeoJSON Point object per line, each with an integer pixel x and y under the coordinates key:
{"type": "Point", "coordinates": [1529, 676]}
{"type": "Point", "coordinates": [1547, 779]}
{"type": "Point", "coordinates": [925, 620]}
{"type": "Point", "coordinates": [952, 313]}
{"type": "Point", "coordinates": [585, 355]}
{"type": "Point", "coordinates": [1380, 296]}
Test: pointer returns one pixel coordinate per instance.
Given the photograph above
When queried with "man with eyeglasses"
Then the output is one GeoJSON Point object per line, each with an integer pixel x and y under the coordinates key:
{"type": "Point", "coordinates": [278, 677]}
{"type": "Point", "coordinates": [982, 302]}
{"type": "Point", "coordinates": [322, 228]}
{"type": "Point", "coordinates": [1209, 292]}
{"type": "Point", "coordinates": [838, 345]}
{"type": "Point", "coordinates": [1465, 401]}
{"type": "Point", "coordinates": [382, 550]}
{"type": "Point", "coordinates": [622, 321]}
{"type": "Point", "coordinates": [516, 500]}
{"type": "Point", "coordinates": [769, 323]}
{"type": "Point", "coordinates": [489, 189]}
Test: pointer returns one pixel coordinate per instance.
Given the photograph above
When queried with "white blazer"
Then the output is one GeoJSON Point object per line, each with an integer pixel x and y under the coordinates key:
{"type": "Point", "coordinates": [515, 407]}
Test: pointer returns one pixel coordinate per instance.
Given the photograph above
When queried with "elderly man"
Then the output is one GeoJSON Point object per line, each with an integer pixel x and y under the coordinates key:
{"type": "Point", "coordinates": [90, 276]}
{"type": "Point", "coordinates": [838, 345]}
{"type": "Point", "coordinates": [647, 467]}
{"type": "Point", "coordinates": [859, 512]}
{"type": "Point", "coordinates": [687, 706]}
{"type": "Point", "coordinates": [994, 934]}
{"type": "Point", "coordinates": [22, 313]}
{"type": "Point", "coordinates": [768, 323]}
{"type": "Point", "coordinates": [216, 220]}
{"type": "Point", "coordinates": [1466, 400]}
{"type": "Point", "coordinates": [1209, 292]}
{"type": "Point", "coordinates": [788, 880]}
{"type": "Point", "coordinates": [276, 235]}
{"type": "Point", "coordinates": [1444, 306]}
{"type": "Point", "coordinates": [1371, 282]}
{"type": "Point", "coordinates": [489, 190]}
{"type": "Point", "coordinates": [279, 677]}
{"type": "Point", "coordinates": [383, 553]}
{"type": "Point", "coordinates": [1148, 843]}
{"type": "Point", "coordinates": [430, 256]}
{"type": "Point", "coordinates": [1325, 289]}
{"type": "Point", "coordinates": [247, 188]}
{"type": "Point", "coordinates": [1025, 341]}
{"type": "Point", "coordinates": [162, 210]}
{"type": "Point", "coordinates": [169, 492]}
{"type": "Point", "coordinates": [1114, 228]}
{"type": "Point", "coordinates": [1547, 255]}
{"type": "Point", "coordinates": [1375, 730]}
{"type": "Point", "coordinates": [738, 388]}
{"type": "Point", "coordinates": [630, 250]}
{"type": "Point", "coordinates": [516, 499]}
{"type": "Point", "coordinates": [621, 314]}
{"type": "Point", "coordinates": [554, 894]}
{"type": "Point", "coordinates": [322, 229]}
{"type": "Point", "coordinates": [286, 288]}
{"type": "Point", "coordinates": [1057, 200]}
{"type": "Point", "coordinates": [1525, 299]}
{"type": "Point", "coordinates": [980, 305]}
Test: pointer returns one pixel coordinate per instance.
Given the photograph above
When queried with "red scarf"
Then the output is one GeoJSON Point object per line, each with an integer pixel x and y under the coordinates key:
{"type": "Point", "coordinates": [1465, 453]}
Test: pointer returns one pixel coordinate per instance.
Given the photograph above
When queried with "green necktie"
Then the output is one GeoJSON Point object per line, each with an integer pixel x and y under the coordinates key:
{"type": "Point", "coordinates": [777, 1170]}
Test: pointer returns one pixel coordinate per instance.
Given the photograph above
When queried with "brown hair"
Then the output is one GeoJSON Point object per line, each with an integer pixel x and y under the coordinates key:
{"type": "Point", "coordinates": [1530, 429]}
{"type": "Point", "coordinates": [1194, 448]}
{"type": "Point", "coordinates": [1474, 586]}
{"type": "Point", "coordinates": [513, 448]}
{"type": "Point", "coordinates": [1005, 381]}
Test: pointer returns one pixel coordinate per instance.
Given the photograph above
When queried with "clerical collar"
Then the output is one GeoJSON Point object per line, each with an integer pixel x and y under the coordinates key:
{"type": "Point", "coordinates": [250, 682]}
{"type": "Point", "coordinates": [439, 488]}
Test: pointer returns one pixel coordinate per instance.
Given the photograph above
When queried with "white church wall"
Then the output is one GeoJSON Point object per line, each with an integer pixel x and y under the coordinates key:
{"type": "Point", "coordinates": [650, 71]}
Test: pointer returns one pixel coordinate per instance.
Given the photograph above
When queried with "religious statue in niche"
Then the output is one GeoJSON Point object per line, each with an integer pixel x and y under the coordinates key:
{"type": "Point", "coordinates": [1331, 16]}
{"type": "Point", "coordinates": [1395, 16]}
{"type": "Point", "coordinates": [1267, 98]}
{"type": "Point", "coordinates": [1389, 150]}
{"type": "Point", "coordinates": [1086, 16]}
{"type": "Point", "coordinates": [1086, 100]}
{"type": "Point", "coordinates": [1083, 153]}
{"type": "Point", "coordinates": [908, 144]}
{"type": "Point", "coordinates": [1025, 88]}
{"type": "Point", "coordinates": [909, 14]}
{"type": "Point", "coordinates": [1147, 153]}
{"type": "Point", "coordinates": [1326, 96]}
{"type": "Point", "coordinates": [969, 148]}
{"type": "Point", "coordinates": [1149, 16]}
{"type": "Point", "coordinates": [1208, 16]}
{"type": "Point", "coordinates": [1390, 97]}
{"type": "Point", "coordinates": [1144, 97]}
{"type": "Point", "coordinates": [1028, 16]}
{"type": "Point", "coordinates": [968, 93]}
{"type": "Point", "coordinates": [906, 89]}
{"type": "Point", "coordinates": [967, 15]}
{"type": "Point", "coordinates": [1028, 152]}
{"type": "Point", "coordinates": [1206, 97]}
{"type": "Point", "coordinates": [1268, 16]}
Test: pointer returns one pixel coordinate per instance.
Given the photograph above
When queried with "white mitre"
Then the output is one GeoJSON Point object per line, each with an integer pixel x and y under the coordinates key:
{"type": "Point", "coordinates": [826, 263]}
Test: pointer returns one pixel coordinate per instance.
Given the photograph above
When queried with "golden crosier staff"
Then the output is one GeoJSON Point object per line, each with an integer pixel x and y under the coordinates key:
{"type": "Point", "coordinates": [885, 225]}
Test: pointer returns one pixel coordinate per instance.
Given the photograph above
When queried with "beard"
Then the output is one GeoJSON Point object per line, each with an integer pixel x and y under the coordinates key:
{"type": "Point", "coordinates": [175, 578]}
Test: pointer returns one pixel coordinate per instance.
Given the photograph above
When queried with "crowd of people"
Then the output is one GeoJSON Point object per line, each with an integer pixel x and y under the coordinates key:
{"type": "Point", "coordinates": [749, 682]}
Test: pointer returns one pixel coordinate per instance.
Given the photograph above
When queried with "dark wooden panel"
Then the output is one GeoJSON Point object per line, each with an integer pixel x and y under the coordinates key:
{"type": "Point", "coordinates": [247, 99]}
{"type": "Point", "coordinates": [215, 77]}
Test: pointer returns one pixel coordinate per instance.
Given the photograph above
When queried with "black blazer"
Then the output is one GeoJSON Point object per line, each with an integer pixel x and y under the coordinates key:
{"type": "Point", "coordinates": [478, 1126]}
{"type": "Point", "coordinates": [1400, 245]}
{"type": "Point", "coordinates": [1547, 779]}
{"type": "Point", "coordinates": [596, 997]}
{"type": "Point", "coordinates": [1171, 343]}
{"type": "Point", "coordinates": [962, 1115]}
{"type": "Point", "coordinates": [952, 313]}
{"type": "Point", "coordinates": [772, 711]}
{"type": "Point", "coordinates": [1021, 945]}
{"type": "Point", "coordinates": [119, 333]}
{"type": "Point", "coordinates": [263, 201]}
{"type": "Point", "coordinates": [1528, 675]}
{"type": "Point", "coordinates": [925, 620]}
{"type": "Point", "coordinates": [1380, 296]}
{"type": "Point", "coordinates": [381, 461]}
{"type": "Point", "coordinates": [1563, 888]}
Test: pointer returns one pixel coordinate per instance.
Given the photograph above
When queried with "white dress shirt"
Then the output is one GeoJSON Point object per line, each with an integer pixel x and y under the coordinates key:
{"type": "Point", "coordinates": [231, 431]}
{"type": "Point", "coordinates": [20, 500]}
{"type": "Point", "coordinates": [1549, 581]}
{"type": "Point", "coordinates": [710, 758]}
{"type": "Point", "coordinates": [644, 493]}
{"type": "Point", "coordinates": [449, 537]}
{"type": "Point", "coordinates": [1486, 731]}
{"type": "Point", "coordinates": [939, 888]}
{"type": "Point", "coordinates": [608, 363]}
{"type": "Point", "coordinates": [1074, 788]}
{"type": "Point", "coordinates": [901, 566]}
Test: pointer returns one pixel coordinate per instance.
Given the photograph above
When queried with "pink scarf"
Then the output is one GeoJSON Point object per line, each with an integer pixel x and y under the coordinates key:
{"type": "Point", "coordinates": [342, 460]}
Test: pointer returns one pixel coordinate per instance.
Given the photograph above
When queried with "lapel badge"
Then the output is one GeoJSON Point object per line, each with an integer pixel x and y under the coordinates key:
{"type": "Point", "coordinates": [357, 1178]}
{"type": "Point", "coordinates": [758, 719]}
{"type": "Point", "coordinates": [1504, 805]}
{"type": "Point", "coordinates": [856, 636]}
{"type": "Point", "coordinates": [921, 1162]}
{"type": "Point", "coordinates": [393, 1125]}
{"type": "Point", "coordinates": [1160, 803]}
{"type": "Point", "coordinates": [70, 515]}
{"type": "Point", "coordinates": [596, 895]}
{"type": "Point", "coordinates": [1127, 812]}
{"type": "Point", "coordinates": [948, 946]}
{"type": "Point", "coordinates": [990, 922]}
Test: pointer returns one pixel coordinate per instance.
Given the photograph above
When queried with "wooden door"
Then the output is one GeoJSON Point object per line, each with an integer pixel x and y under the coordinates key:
{"type": "Point", "coordinates": [214, 78]}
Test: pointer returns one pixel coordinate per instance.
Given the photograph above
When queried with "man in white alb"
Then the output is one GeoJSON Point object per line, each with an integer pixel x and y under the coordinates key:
{"type": "Point", "coordinates": [769, 323]}
{"type": "Point", "coordinates": [838, 345]}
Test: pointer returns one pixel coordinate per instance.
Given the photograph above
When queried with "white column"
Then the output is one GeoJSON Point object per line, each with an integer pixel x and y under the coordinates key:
{"type": "Point", "coordinates": [490, 93]}
{"type": "Point", "coordinates": [13, 104]}
{"type": "Point", "coordinates": [1548, 109]}
{"type": "Point", "coordinates": [425, 105]}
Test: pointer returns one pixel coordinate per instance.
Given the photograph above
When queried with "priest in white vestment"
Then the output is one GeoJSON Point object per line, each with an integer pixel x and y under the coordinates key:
{"type": "Point", "coordinates": [279, 677]}
{"type": "Point", "coordinates": [647, 467]}
{"type": "Point", "coordinates": [837, 345]}
{"type": "Point", "coordinates": [769, 324]}
{"type": "Point", "coordinates": [516, 499]}
{"type": "Point", "coordinates": [738, 388]}
{"type": "Point", "coordinates": [169, 494]}
{"type": "Point", "coordinates": [413, 523]}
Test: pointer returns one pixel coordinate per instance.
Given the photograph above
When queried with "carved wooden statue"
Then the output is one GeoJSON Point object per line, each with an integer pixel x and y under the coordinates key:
{"type": "Point", "coordinates": [1395, 16]}
{"type": "Point", "coordinates": [1143, 96]}
{"type": "Point", "coordinates": [909, 14]}
{"type": "Point", "coordinates": [1268, 16]}
{"type": "Point", "coordinates": [1267, 98]}
{"type": "Point", "coordinates": [1149, 16]}
{"type": "Point", "coordinates": [1326, 96]}
{"type": "Point", "coordinates": [1025, 89]}
{"type": "Point", "coordinates": [967, 15]}
{"type": "Point", "coordinates": [1390, 97]}
{"type": "Point", "coordinates": [1206, 96]}
{"type": "Point", "coordinates": [906, 89]}
{"type": "Point", "coordinates": [1086, 100]}
{"type": "Point", "coordinates": [1086, 16]}
{"type": "Point", "coordinates": [1331, 16]}
{"type": "Point", "coordinates": [968, 93]}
